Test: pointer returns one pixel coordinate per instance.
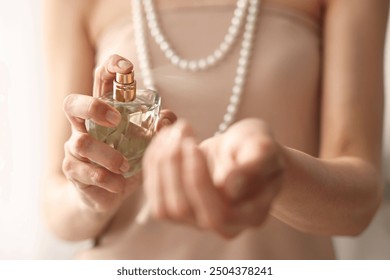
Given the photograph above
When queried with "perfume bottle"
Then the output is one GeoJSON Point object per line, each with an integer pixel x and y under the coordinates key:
{"type": "Point", "coordinates": [140, 110]}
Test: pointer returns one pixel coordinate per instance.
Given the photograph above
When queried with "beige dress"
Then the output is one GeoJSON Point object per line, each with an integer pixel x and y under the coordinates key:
{"type": "Point", "coordinates": [284, 74]}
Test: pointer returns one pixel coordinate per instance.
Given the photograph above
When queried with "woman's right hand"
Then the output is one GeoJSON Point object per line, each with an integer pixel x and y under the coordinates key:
{"type": "Point", "coordinates": [94, 167]}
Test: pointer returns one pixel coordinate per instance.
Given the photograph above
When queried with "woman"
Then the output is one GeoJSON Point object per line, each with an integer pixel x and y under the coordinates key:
{"type": "Point", "coordinates": [300, 164]}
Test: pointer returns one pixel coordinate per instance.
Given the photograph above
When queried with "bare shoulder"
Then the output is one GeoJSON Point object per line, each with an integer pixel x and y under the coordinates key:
{"type": "Point", "coordinates": [369, 4]}
{"type": "Point", "coordinates": [64, 16]}
{"type": "Point", "coordinates": [67, 7]}
{"type": "Point", "coordinates": [370, 13]}
{"type": "Point", "coordinates": [357, 2]}
{"type": "Point", "coordinates": [103, 13]}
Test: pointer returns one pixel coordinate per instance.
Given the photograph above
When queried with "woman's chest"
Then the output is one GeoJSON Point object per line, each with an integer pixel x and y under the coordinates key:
{"type": "Point", "coordinates": [281, 83]}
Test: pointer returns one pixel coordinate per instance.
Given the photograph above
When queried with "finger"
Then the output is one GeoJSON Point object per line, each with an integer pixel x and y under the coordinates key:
{"type": "Point", "coordinates": [154, 159]}
{"type": "Point", "coordinates": [105, 74]}
{"type": "Point", "coordinates": [91, 174]}
{"type": "Point", "coordinates": [167, 118]}
{"type": "Point", "coordinates": [151, 177]}
{"type": "Point", "coordinates": [205, 200]}
{"type": "Point", "coordinates": [80, 107]}
{"type": "Point", "coordinates": [83, 146]}
{"type": "Point", "coordinates": [177, 204]}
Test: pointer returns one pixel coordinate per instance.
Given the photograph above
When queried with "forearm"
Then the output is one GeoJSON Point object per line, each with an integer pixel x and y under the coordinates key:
{"type": "Point", "coordinates": [66, 214]}
{"type": "Point", "coordinates": [336, 196]}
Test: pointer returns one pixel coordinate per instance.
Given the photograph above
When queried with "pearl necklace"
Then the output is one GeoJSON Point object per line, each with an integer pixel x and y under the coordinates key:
{"type": "Point", "coordinates": [204, 63]}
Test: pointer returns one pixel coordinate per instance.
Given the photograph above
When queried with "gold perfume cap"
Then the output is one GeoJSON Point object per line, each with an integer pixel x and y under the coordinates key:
{"type": "Point", "coordinates": [124, 87]}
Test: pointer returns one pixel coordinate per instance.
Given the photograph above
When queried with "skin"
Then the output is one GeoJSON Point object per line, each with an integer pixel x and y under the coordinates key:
{"type": "Point", "coordinates": [234, 181]}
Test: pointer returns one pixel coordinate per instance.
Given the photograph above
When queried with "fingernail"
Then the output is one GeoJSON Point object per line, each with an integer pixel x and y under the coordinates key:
{"type": "Point", "coordinates": [125, 166]}
{"type": "Point", "coordinates": [124, 64]}
{"type": "Point", "coordinates": [165, 122]}
{"type": "Point", "coordinates": [113, 117]}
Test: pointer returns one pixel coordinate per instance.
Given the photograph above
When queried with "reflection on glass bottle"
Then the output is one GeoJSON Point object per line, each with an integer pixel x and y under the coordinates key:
{"type": "Point", "coordinates": [140, 110]}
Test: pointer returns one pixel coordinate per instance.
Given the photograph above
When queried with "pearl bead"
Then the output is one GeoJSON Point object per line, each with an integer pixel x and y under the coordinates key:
{"type": "Point", "coordinates": [241, 70]}
{"type": "Point", "coordinates": [183, 64]}
{"type": "Point", "coordinates": [175, 60]}
{"type": "Point", "coordinates": [224, 46]}
{"type": "Point", "coordinates": [222, 127]}
{"type": "Point", "coordinates": [238, 13]}
{"type": "Point", "coordinates": [233, 30]}
{"type": "Point", "coordinates": [159, 38]}
{"type": "Point", "coordinates": [202, 63]}
{"type": "Point", "coordinates": [169, 54]}
{"type": "Point", "coordinates": [239, 81]}
{"type": "Point", "coordinates": [241, 4]}
{"type": "Point", "coordinates": [210, 60]}
{"type": "Point", "coordinates": [164, 46]}
{"type": "Point", "coordinates": [236, 90]}
{"type": "Point", "coordinates": [218, 53]}
{"type": "Point", "coordinates": [228, 118]}
{"type": "Point", "coordinates": [236, 21]}
{"type": "Point", "coordinates": [242, 61]}
{"type": "Point", "coordinates": [234, 99]}
{"type": "Point", "coordinates": [193, 65]}
{"type": "Point", "coordinates": [231, 109]}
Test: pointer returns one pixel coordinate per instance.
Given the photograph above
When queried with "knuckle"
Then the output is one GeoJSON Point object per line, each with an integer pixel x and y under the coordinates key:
{"type": "Point", "coordinates": [174, 153]}
{"type": "Point", "coordinates": [96, 108]}
{"type": "Point", "coordinates": [66, 166]}
{"type": "Point", "coordinates": [115, 161]}
{"type": "Point", "coordinates": [265, 144]}
{"type": "Point", "coordinates": [228, 235]}
{"type": "Point", "coordinates": [230, 231]}
{"type": "Point", "coordinates": [180, 210]}
{"type": "Point", "coordinates": [81, 144]}
{"type": "Point", "coordinates": [67, 146]}
{"type": "Point", "coordinates": [67, 104]}
{"type": "Point", "coordinates": [215, 222]}
{"type": "Point", "coordinates": [98, 71]}
{"type": "Point", "coordinates": [99, 176]}
{"type": "Point", "coordinates": [160, 213]}
{"type": "Point", "coordinates": [210, 224]}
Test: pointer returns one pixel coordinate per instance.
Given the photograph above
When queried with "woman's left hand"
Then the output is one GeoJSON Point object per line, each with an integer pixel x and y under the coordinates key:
{"type": "Point", "coordinates": [225, 184]}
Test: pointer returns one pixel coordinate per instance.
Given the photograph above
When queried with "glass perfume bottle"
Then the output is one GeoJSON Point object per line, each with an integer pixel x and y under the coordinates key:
{"type": "Point", "coordinates": [140, 110]}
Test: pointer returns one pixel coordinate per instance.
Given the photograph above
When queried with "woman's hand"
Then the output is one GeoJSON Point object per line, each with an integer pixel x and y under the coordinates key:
{"type": "Point", "coordinates": [94, 167]}
{"type": "Point", "coordinates": [225, 184]}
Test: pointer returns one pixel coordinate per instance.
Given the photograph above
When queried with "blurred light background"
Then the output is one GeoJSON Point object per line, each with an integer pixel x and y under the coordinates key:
{"type": "Point", "coordinates": [22, 231]}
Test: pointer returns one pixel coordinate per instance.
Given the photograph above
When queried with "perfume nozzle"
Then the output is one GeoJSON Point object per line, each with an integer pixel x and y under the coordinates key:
{"type": "Point", "coordinates": [124, 87]}
{"type": "Point", "coordinates": [124, 78]}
